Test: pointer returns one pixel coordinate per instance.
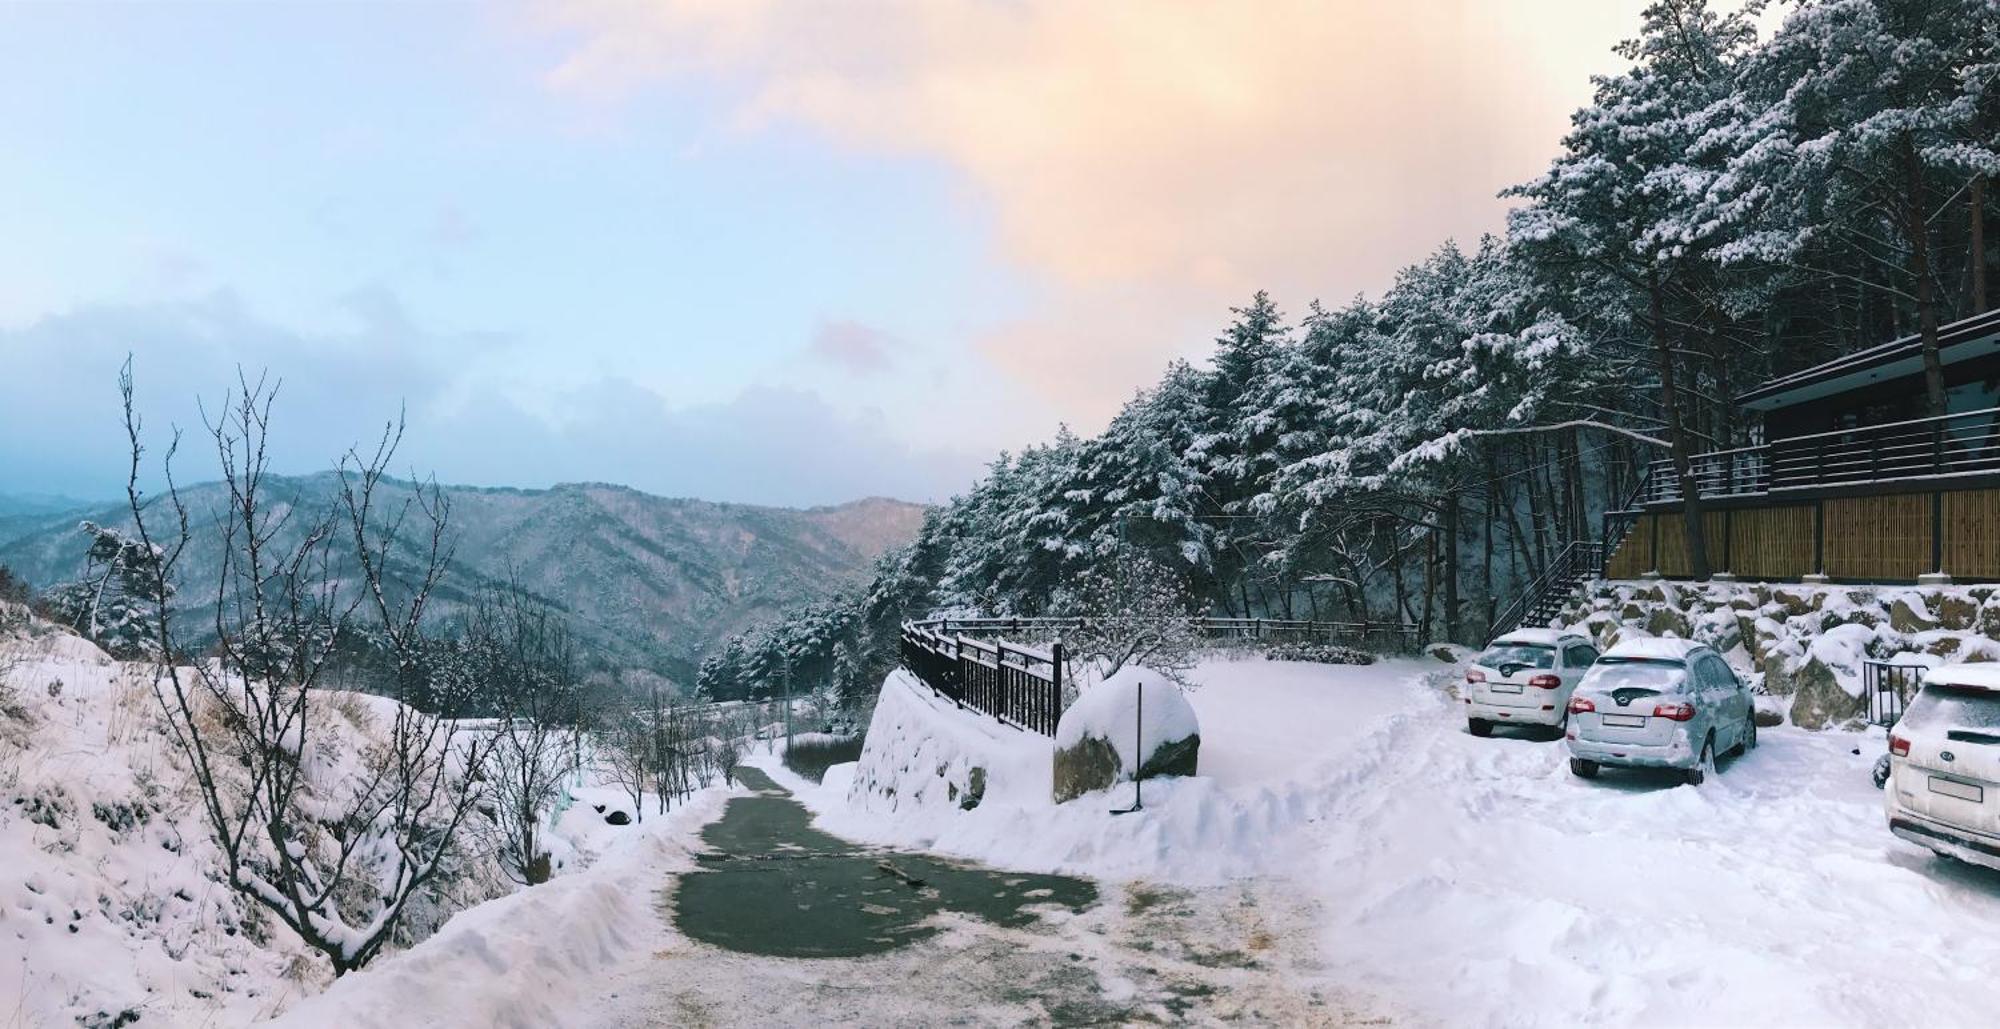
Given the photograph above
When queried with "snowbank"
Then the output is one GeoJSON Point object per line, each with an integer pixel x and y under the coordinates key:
{"type": "Point", "coordinates": [1279, 740]}
{"type": "Point", "coordinates": [537, 958]}
{"type": "Point", "coordinates": [925, 759]}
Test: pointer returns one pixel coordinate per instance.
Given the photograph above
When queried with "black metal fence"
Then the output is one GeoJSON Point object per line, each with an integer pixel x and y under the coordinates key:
{"type": "Point", "coordinates": [968, 661]}
{"type": "Point", "coordinates": [1018, 685]}
{"type": "Point", "coordinates": [1888, 687]}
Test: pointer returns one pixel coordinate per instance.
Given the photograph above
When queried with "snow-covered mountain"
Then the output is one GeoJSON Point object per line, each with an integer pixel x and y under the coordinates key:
{"type": "Point", "coordinates": [649, 580]}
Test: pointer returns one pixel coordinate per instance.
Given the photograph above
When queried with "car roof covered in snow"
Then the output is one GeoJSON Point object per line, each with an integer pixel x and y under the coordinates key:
{"type": "Point", "coordinates": [1538, 637]}
{"type": "Point", "coordinates": [1654, 649]}
{"type": "Point", "coordinates": [1980, 676]}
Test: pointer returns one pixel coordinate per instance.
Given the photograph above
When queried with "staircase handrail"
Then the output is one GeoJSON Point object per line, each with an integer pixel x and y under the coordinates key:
{"type": "Point", "coordinates": [1563, 569]}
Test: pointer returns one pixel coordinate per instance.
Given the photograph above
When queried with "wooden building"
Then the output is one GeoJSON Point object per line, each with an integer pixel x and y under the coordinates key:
{"type": "Point", "coordinates": [1855, 482]}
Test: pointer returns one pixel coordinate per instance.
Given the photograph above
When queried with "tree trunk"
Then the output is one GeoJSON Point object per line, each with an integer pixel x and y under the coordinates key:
{"type": "Point", "coordinates": [1916, 232]}
{"type": "Point", "coordinates": [1486, 543]}
{"type": "Point", "coordinates": [1677, 441]}
{"type": "Point", "coordinates": [1396, 567]}
{"type": "Point", "coordinates": [1451, 565]}
{"type": "Point", "coordinates": [1978, 248]}
{"type": "Point", "coordinates": [1430, 584]}
{"type": "Point", "coordinates": [1538, 515]}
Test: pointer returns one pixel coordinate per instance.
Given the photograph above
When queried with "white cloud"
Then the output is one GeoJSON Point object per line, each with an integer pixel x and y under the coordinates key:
{"type": "Point", "coordinates": [60, 428]}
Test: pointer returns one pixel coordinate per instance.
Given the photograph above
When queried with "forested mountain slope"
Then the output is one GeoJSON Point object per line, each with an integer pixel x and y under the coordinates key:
{"type": "Point", "coordinates": [1726, 208]}
{"type": "Point", "coordinates": [647, 581]}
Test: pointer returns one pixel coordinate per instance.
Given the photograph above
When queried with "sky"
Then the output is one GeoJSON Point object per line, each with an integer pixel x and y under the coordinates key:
{"type": "Point", "coordinates": [758, 251]}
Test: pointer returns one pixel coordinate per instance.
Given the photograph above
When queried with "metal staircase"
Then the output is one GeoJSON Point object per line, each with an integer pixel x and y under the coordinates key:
{"type": "Point", "coordinates": [1545, 597]}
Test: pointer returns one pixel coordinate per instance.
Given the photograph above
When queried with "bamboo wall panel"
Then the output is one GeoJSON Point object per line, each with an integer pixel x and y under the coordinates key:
{"type": "Point", "coordinates": [1674, 553]}
{"type": "Point", "coordinates": [1887, 537]}
{"type": "Point", "coordinates": [1635, 556]}
{"type": "Point", "coordinates": [1972, 535]}
{"type": "Point", "coordinates": [1771, 543]}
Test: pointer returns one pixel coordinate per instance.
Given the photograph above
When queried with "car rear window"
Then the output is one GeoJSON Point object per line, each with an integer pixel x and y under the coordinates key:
{"type": "Point", "coordinates": [1522, 655]}
{"type": "Point", "coordinates": [1951, 707]}
{"type": "Point", "coordinates": [1615, 672]}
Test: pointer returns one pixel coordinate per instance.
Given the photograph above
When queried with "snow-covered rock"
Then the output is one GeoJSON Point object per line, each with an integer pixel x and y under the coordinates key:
{"type": "Point", "coordinates": [1803, 645]}
{"type": "Point", "coordinates": [1135, 720]}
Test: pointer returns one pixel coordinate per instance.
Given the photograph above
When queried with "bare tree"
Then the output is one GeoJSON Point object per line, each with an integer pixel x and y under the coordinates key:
{"type": "Point", "coordinates": [338, 862]}
{"type": "Point", "coordinates": [627, 756]}
{"type": "Point", "coordinates": [1134, 610]}
{"type": "Point", "coordinates": [527, 672]}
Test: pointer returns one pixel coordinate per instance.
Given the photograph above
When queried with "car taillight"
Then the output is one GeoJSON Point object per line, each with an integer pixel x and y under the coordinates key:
{"type": "Point", "coordinates": [1547, 682]}
{"type": "Point", "coordinates": [1674, 712]}
{"type": "Point", "coordinates": [1475, 675]}
{"type": "Point", "coordinates": [1899, 746]}
{"type": "Point", "coordinates": [1579, 705]}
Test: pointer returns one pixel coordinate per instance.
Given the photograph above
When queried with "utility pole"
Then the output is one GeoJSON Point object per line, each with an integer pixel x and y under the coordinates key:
{"type": "Point", "coordinates": [788, 699]}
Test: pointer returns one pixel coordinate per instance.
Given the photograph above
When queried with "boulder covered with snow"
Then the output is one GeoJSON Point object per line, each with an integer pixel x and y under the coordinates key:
{"type": "Point", "coordinates": [1135, 721]}
{"type": "Point", "coordinates": [1820, 701]}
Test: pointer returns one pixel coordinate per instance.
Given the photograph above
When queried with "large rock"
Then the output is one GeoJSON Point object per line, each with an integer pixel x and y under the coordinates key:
{"type": "Point", "coordinates": [1955, 612]}
{"type": "Point", "coordinates": [1819, 701]}
{"type": "Point", "coordinates": [1905, 618]}
{"type": "Point", "coordinates": [1796, 602]}
{"type": "Point", "coordinates": [1665, 621]}
{"type": "Point", "coordinates": [1101, 739]}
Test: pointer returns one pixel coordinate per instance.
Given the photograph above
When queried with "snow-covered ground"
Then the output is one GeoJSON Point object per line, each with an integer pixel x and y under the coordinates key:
{"type": "Point", "coordinates": [1475, 882]}
{"type": "Point", "coordinates": [543, 956]}
{"type": "Point", "coordinates": [112, 906]}
{"type": "Point", "coordinates": [1273, 735]}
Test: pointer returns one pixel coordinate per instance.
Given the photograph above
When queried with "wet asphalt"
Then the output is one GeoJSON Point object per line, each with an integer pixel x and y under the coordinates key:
{"type": "Point", "coordinates": [769, 883]}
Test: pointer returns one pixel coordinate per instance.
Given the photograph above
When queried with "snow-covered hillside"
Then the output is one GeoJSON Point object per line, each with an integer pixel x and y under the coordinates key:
{"type": "Point", "coordinates": [110, 912]}
{"type": "Point", "coordinates": [1476, 882]}
{"type": "Point", "coordinates": [113, 908]}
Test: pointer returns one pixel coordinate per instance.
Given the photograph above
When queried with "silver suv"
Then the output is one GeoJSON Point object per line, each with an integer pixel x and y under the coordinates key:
{"type": "Point", "coordinates": [1659, 703]}
{"type": "Point", "coordinates": [1944, 765]}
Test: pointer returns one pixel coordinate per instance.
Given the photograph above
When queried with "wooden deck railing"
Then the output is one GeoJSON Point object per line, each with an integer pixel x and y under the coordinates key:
{"type": "Point", "coordinates": [1956, 444]}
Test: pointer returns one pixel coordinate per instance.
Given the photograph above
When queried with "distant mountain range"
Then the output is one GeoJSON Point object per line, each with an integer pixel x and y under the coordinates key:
{"type": "Point", "coordinates": [648, 581]}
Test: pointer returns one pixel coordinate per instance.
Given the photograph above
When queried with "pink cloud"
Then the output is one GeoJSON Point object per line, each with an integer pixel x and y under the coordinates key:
{"type": "Point", "coordinates": [1151, 163]}
{"type": "Point", "coordinates": [857, 348]}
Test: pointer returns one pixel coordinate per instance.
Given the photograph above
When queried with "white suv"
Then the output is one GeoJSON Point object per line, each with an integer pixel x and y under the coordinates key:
{"type": "Point", "coordinates": [1944, 765]}
{"type": "Point", "coordinates": [1525, 678]}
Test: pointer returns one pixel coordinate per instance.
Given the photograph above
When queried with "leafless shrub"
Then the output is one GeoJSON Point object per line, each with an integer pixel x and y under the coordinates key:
{"type": "Point", "coordinates": [338, 864]}
{"type": "Point", "coordinates": [1134, 611]}
{"type": "Point", "coordinates": [524, 661]}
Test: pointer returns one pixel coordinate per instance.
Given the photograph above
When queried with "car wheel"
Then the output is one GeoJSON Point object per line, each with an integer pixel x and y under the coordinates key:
{"type": "Point", "coordinates": [1706, 767]}
{"type": "Point", "coordinates": [1749, 735]}
{"type": "Point", "coordinates": [1479, 727]}
{"type": "Point", "coordinates": [1582, 769]}
{"type": "Point", "coordinates": [1881, 772]}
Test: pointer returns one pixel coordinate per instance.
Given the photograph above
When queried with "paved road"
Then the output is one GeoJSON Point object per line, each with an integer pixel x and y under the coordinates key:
{"type": "Point", "coordinates": [785, 925]}
{"type": "Point", "coordinates": [772, 884]}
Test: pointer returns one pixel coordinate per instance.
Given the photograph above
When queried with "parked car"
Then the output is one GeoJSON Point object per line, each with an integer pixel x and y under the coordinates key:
{"type": "Point", "coordinates": [1525, 678]}
{"type": "Point", "coordinates": [1944, 765]}
{"type": "Point", "coordinates": [1659, 703]}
